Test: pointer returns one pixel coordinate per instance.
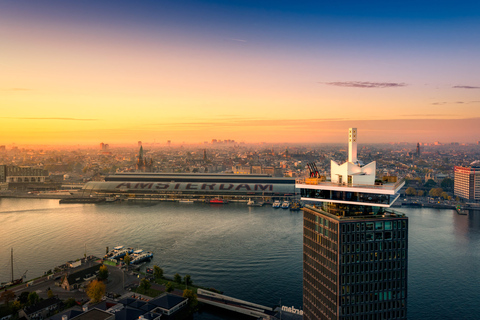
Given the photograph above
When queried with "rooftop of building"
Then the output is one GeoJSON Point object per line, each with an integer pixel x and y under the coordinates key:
{"type": "Point", "coordinates": [386, 214]}
{"type": "Point", "coordinates": [94, 314]}
{"type": "Point", "coordinates": [385, 187]}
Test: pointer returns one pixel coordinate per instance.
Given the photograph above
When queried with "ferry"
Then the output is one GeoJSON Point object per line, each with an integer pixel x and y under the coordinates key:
{"type": "Point", "coordinates": [118, 252]}
{"type": "Point", "coordinates": [285, 205]}
{"type": "Point", "coordinates": [140, 256]}
{"type": "Point", "coordinates": [276, 204]}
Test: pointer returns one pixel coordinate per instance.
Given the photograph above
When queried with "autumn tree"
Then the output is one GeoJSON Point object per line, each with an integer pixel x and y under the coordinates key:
{"type": "Point", "coordinates": [435, 192]}
{"type": "Point", "coordinates": [420, 193]}
{"type": "Point", "coordinates": [8, 296]}
{"type": "Point", "coordinates": [96, 290]}
{"type": "Point", "coordinates": [50, 293]}
{"type": "Point", "coordinates": [103, 273]}
{"type": "Point", "coordinates": [192, 298]}
{"type": "Point", "coordinates": [169, 287]}
{"type": "Point", "coordinates": [127, 259]}
{"type": "Point", "coordinates": [411, 191]}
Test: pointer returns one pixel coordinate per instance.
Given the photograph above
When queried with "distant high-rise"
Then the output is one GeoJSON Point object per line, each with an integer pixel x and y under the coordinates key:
{"type": "Point", "coordinates": [354, 247]}
{"type": "Point", "coordinates": [467, 181]}
{"type": "Point", "coordinates": [418, 149]}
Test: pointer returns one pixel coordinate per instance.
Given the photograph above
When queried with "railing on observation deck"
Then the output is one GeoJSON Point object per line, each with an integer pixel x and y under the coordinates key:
{"type": "Point", "coordinates": [343, 214]}
{"type": "Point", "coordinates": [320, 181]}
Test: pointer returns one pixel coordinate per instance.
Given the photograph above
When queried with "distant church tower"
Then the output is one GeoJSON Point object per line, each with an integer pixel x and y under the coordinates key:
{"type": "Point", "coordinates": [143, 165]}
{"type": "Point", "coordinates": [418, 149]}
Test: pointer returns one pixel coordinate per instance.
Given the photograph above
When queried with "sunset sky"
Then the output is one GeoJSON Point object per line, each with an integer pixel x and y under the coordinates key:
{"type": "Point", "coordinates": [275, 71]}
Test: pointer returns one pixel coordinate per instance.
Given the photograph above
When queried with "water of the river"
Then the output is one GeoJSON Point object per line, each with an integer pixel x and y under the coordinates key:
{"type": "Point", "coordinates": [249, 253]}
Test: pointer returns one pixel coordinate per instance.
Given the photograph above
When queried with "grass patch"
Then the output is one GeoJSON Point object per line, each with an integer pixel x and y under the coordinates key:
{"type": "Point", "coordinates": [150, 292]}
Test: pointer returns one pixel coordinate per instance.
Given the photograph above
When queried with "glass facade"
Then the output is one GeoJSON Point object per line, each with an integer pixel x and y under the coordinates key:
{"type": "Point", "coordinates": [363, 197]}
{"type": "Point", "coordinates": [354, 268]}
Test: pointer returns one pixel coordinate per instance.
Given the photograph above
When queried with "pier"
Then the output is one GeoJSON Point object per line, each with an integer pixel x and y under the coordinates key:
{"type": "Point", "coordinates": [233, 304]}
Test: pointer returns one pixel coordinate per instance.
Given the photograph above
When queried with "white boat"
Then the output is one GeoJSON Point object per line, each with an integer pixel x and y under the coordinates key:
{"type": "Point", "coordinates": [140, 256]}
{"type": "Point", "coordinates": [285, 205]}
{"type": "Point", "coordinates": [253, 203]}
{"type": "Point", "coordinates": [118, 252]}
{"type": "Point", "coordinates": [186, 201]}
{"type": "Point", "coordinates": [276, 204]}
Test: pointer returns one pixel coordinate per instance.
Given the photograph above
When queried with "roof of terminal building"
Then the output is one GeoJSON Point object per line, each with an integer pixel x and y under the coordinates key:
{"type": "Point", "coordinates": [171, 177]}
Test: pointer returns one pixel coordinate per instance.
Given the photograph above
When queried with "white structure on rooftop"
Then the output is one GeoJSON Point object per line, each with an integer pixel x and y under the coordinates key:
{"type": "Point", "coordinates": [353, 171]}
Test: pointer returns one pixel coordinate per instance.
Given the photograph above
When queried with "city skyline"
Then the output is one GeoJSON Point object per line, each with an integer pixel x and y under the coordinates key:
{"type": "Point", "coordinates": [118, 72]}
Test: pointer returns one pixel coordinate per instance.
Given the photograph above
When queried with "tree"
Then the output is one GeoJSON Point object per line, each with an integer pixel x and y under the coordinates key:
{"type": "Point", "coordinates": [50, 293]}
{"type": "Point", "coordinates": [447, 184]}
{"type": "Point", "coordinates": [157, 272]}
{"type": "Point", "coordinates": [435, 192]}
{"type": "Point", "coordinates": [192, 298]}
{"type": "Point", "coordinates": [430, 184]}
{"type": "Point", "coordinates": [16, 306]}
{"type": "Point", "coordinates": [420, 193]}
{"type": "Point", "coordinates": [33, 298]}
{"type": "Point", "coordinates": [411, 191]}
{"type": "Point", "coordinates": [8, 296]}
{"type": "Point", "coordinates": [187, 279]}
{"type": "Point", "coordinates": [144, 285]}
{"type": "Point", "coordinates": [23, 297]}
{"type": "Point", "coordinates": [103, 273]}
{"type": "Point", "coordinates": [127, 259]}
{"type": "Point", "coordinates": [169, 287]}
{"type": "Point", "coordinates": [444, 195]}
{"type": "Point", "coordinates": [70, 302]}
{"type": "Point", "coordinates": [177, 278]}
{"type": "Point", "coordinates": [96, 290]}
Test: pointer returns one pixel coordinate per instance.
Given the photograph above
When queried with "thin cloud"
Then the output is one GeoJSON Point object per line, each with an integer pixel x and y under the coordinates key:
{"type": "Point", "coordinates": [18, 89]}
{"type": "Point", "coordinates": [465, 87]}
{"type": "Point", "coordinates": [67, 119]}
{"type": "Point", "coordinates": [435, 115]}
{"type": "Point", "coordinates": [366, 84]}
{"type": "Point", "coordinates": [456, 102]}
{"type": "Point", "coordinates": [238, 40]}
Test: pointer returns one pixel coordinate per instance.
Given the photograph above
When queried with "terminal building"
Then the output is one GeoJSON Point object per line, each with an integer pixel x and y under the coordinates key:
{"type": "Point", "coordinates": [355, 248]}
{"type": "Point", "coordinates": [24, 178]}
{"type": "Point", "coordinates": [467, 181]}
{"type": "Point", "coordinates": [168, 186]}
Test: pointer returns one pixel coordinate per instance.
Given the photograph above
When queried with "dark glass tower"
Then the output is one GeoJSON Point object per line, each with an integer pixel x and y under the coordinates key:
{"type": "Point", "coordinates": [355, 248]}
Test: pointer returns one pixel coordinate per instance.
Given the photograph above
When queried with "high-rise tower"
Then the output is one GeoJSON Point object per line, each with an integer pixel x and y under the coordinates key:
{"type": "Point", "coordinates": [354, 246]}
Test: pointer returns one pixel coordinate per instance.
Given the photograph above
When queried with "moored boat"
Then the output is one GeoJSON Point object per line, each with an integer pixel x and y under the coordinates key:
{"type": "Point", "coordinates": [295, 206]}
{"type": "Point", "coordinates": [217, 201]}
{"type": "Point", "coordinates": [253, 203]}
{"type": "Point", "coordinates": [285, 205]}
{"type": "Point", "coordinates": [139, 256]}
{"type": "Point", "coordinates": [276, 204]}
